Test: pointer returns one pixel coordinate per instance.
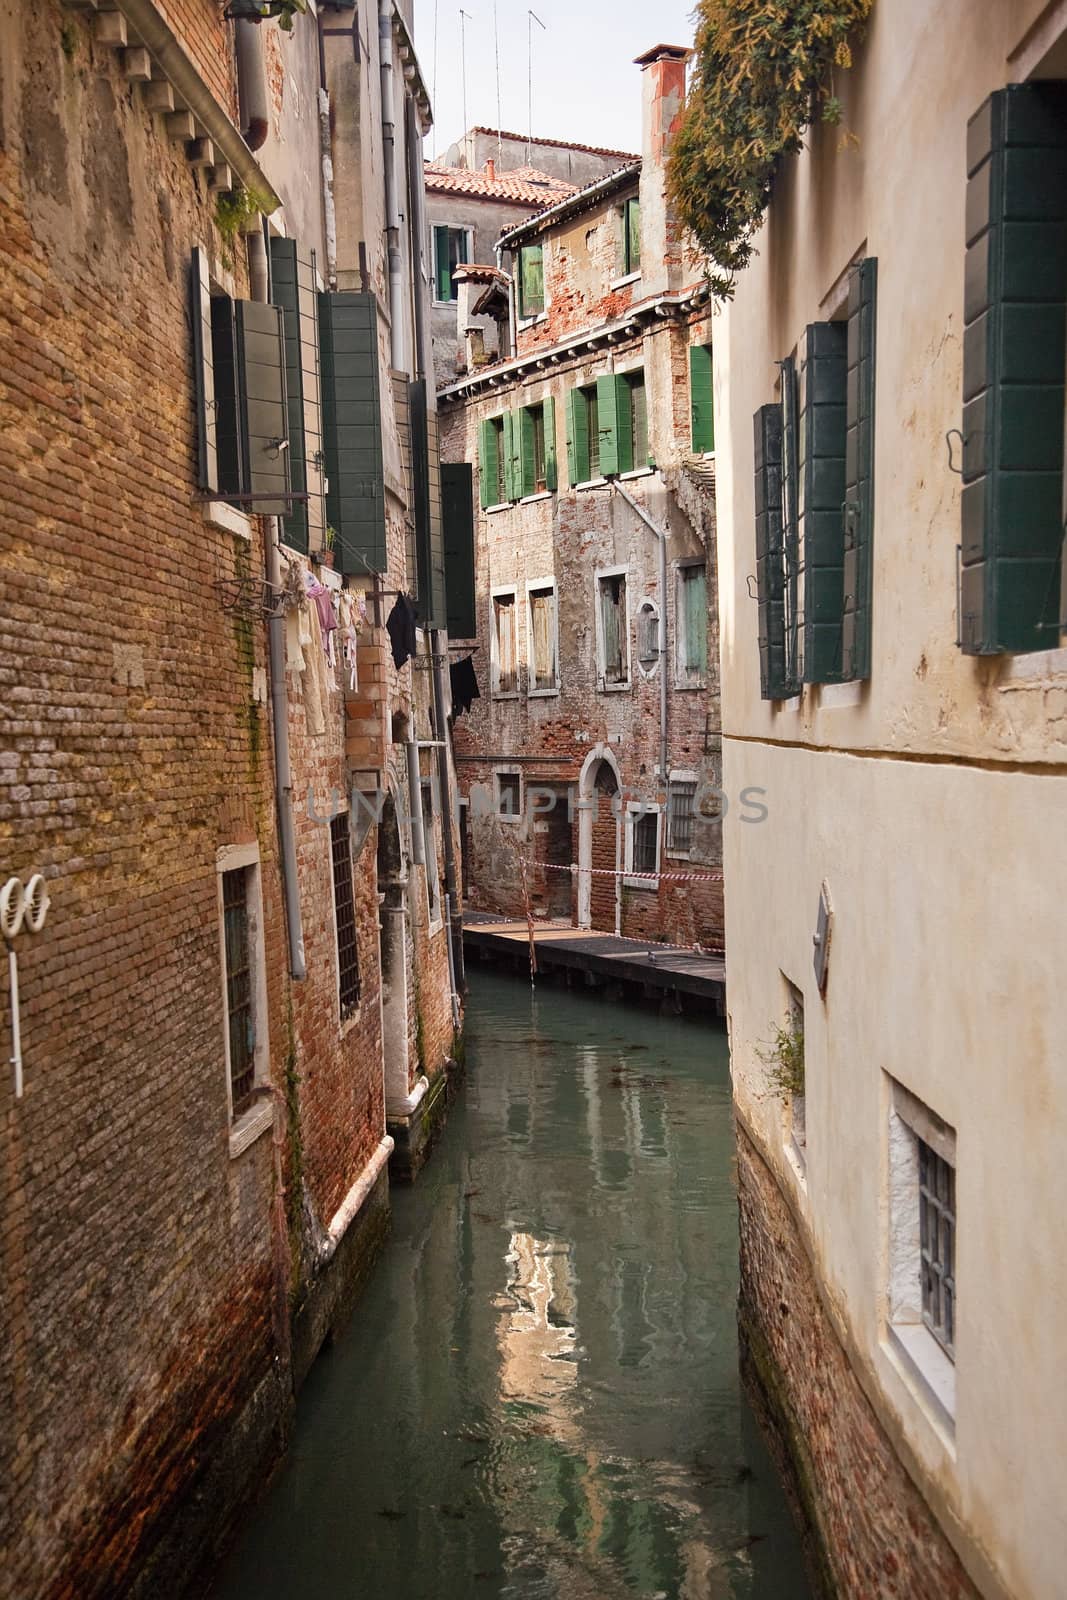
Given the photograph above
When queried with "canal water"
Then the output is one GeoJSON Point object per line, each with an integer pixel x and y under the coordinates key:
{"type": "Point", "coordinates": [538, 1395]}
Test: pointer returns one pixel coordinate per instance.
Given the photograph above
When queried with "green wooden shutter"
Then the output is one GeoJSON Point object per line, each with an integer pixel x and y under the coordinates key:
{"type": "Point", "coordinates": [577, 437]}
{"type": "Point", "coordinates": [207, 474]}
{"type": "Point", "coordinates": [457, 511]}
{"type": "Point", "coordinates": [487, 469]}
{"type": "Point", "coordinates": [527, 477]}
{"type": "Point", "coordinates": [429, 533]}
{"type": "Point", "coordinates": [821, 477]}
{"type": "Point", "coordinates": [612, 407]}
{"type": "Point", "coordinates": [551, 470]}
{"type": "Point", "coordinates": [701, 407]}
{"type": "Point", "coordinates": [790, 524]}
{"type": "Point", "coordinates": [512, 457]}
{"type": "Point", "coordinates": [767, 430]}
{"type": "Point", "coordinates": [442, 264]}
{"type": "Point", "coordinates": [264, 413]}
{"type": "Point", "coordinates": [352, 430]}
{"type": "Point", "coordinates": [1013, 370]}
{"type": "Point", "coordinates": [531, 280]}
{"type": "Point", "coordinates": [859, 472]}
{"type": "Point", "coordinates": [228, 433]}
{"type": "Point", "coordinates": [293, 288]}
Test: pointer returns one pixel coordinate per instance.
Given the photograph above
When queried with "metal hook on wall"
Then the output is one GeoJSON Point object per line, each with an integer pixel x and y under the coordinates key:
{"type": "Point", "coordinates": [954, 433]}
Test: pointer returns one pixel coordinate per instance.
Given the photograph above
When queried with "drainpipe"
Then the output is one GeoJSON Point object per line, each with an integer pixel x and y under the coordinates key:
{"type": "Point", "coordinates": [418, 838]}
{"type": "Point", "coordinates": [392, 214]}
{"type": "Point", "coordinates": [661, 537]}
{"type": "Point", "coordinates": [279, 701]}
{"type": "Point", "coordinates": [252, 84]}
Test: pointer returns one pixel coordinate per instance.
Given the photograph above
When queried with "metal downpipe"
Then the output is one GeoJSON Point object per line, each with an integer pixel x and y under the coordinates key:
{"type": "Point", "coordinates": [392, 215]}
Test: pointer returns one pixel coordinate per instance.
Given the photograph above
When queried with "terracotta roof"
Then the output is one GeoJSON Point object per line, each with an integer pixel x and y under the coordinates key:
{"type": "Point", "coordinates": [525, 185]}
{"type": "Point", "coordinates": [476, 272]}
{"type": "Point", "coordinates": [559, 207]}
{"type": "Point", "coordinates": [559, 144]}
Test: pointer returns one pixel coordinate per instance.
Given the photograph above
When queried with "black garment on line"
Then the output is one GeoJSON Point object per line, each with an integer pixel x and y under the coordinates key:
{"type": "Point", "coordinates": [400, 626]}
{"type": "Point", "coordinates": [464, 685]}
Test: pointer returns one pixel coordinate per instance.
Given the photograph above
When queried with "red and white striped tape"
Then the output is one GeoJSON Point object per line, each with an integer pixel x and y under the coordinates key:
{"type": "Point", "coordinates": [624, 872]}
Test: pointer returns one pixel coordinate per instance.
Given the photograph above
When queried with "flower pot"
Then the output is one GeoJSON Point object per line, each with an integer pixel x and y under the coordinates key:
{"type": "Point", "coordinates": [324, 558]}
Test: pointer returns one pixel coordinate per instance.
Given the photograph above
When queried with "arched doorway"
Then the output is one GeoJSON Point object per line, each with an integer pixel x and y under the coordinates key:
{"type": "Point", "coordinates": [599, 836]}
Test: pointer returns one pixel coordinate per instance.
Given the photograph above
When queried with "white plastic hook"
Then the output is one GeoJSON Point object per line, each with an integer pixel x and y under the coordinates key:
{"type": "Point", "coordinates": [20, 905]}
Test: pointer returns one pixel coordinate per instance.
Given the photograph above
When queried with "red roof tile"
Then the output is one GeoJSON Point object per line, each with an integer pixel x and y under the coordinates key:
{"type": "Point", "coordinates": [525, 185]}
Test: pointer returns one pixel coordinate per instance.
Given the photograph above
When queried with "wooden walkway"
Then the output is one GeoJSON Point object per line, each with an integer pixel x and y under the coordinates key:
{"type": "Point", "coordinates": [645, 970]}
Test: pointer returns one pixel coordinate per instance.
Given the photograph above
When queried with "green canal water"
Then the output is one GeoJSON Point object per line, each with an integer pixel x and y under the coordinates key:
{"type": "Point", "coordinates": [538, 1396]}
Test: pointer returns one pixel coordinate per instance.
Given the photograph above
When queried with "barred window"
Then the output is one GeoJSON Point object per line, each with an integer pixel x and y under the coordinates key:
{"type": "Point", "coordinates": [680, 797]}
{"type": "Point", "coordinates": [240, 1015]}
{"type": "Point", "coordinates": [937, 1245]}
{"type": "Point", "coordinates": [646, 841]}
{"type": "Point", "coordinates": [344, 905]}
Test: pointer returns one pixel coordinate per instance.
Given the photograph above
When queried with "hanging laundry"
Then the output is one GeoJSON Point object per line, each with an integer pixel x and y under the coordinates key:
{"type": "Point", "coordinates": [348, 618]}
{"type": "Point", "coordinates": [400, 626]}
{"type": "Point", "coordinates": [324, 604]}
{"type": "Point", "coordinates": [315, 686]}
{"type": "Point", "coordinates": [464, 685]}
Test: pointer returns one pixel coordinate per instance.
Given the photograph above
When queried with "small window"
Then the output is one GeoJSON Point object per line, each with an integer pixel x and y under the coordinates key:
{"type": "Point", "coordinates": [240, 1003]}
{"type": "Point", "coordinates": [500, 492]}
{"type": "Point", "coordinates": [509, 796]}
{"type": "Point", "coordinates": [643, 833]}
{"type": "Point", "coordinates": [646, 841]}
{"type": "Point", "coordinates": [592, 424]}
{"type": "Point", "coordinates": [537, 441]}
{"type": "Point", "coordinates": [505, 644]}
{"type": "Point", "coordinates": [632, 236]}
{"type": "Point", "coordinates": [433, 876]}
{"type": "Point", "coordinates": [681, 794]}
{"type": "Point", "coordinates": [637, 418]}
{"type": "Point", "coordinates": [544, 671]}
{"type": "Point", "coordinates": [648, 636]}
{"type": "Point", "coordinates": [614, 665]}
{"type": "Point", "coordinates": [937, 1243]}
{"type": "Point", "coordinates": [451, 250]}
{"type": "Point", "coordinates": [692, 623]}
{"type": "Point", "coordinates": [531, 280]}
{"type": "Point", "coordinates": [344, 905]}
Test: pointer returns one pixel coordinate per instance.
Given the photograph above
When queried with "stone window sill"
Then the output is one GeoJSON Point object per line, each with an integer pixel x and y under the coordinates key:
{"type": "Point", "coordinates": [926, 1370]}
{"type": "Point", "coordinates": [542, 694]}
{"type": "Point", "coordinates": [532, 499]}
{"type": "Point", "coordinates": [690, 683]}
{"type": "Point", "coordinates": [613, 688]}
{"type": "Point", "coordinates": [591, 483]}
{"type": "Point", "coordinates": [638, 472]}
{"type": "Point", "coordinates": [505, 694]}
{"type": "Point", "coordinates": [220, 514]}
{"type": "Point", "coordinates": [250, 1126]}
{"type": "Point", "coordinates": [620, 283]}
{"type": "Point", "coordinates": [532, 322]}
{"type": "Point", "coordinates": [649, 884]}
{"type": "Point", "coordinates": [504, 505]}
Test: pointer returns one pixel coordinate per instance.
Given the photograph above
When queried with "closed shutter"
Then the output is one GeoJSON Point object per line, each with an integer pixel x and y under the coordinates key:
{"type": "Point", "coordinates": [1013, 370]}
{"type": "Point", "coordinates": [531, 280]}
{"type": "Point", "coordinates": [859, 473]}
{"type": "Point", "coordinates": [551, 470]}
{"type": "Point", "coordinates": [293, 288]}
{"type": "Point", "coordinates": [790, 555]}
{"type": "Point", "coordinates": [442, 265]}
{"type": "Point", "coordinates": [352, 430]}
{"type": "Point", "coordinates": [264, 413]}
{"type": "Point", "coordinates": [228, 433]}
{"type": "Point", "coordinates": [207, 474]}
{"type": "Point", "coordinates": [429, 533]}
{"type": "Point", "coordinates": [821, 477]}
{"type": "Point", "coordinates": [457, 515]}
{"type": "Point", "coordinates": [767, 430]}
{"type": "Point", "coordinates": [577, 437]}
{"type": "Point", "coordinates": [611, 409]}
{"type": "Point", "coordinates": [701, 408]}
{"type": "Point", "coordinates": [695, 620]}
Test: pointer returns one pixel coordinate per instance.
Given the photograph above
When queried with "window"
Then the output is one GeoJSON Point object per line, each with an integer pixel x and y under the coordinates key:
{"type": "Point", "coordinates": [607, 427]}
{"type": "Point", "coordinates": [451, 250]}
{"type": "Point", "coordinates": [509, 796]}
{"type": "Point", "coordinates": [344, 906]}
{"type": "Point", "coordinates": [648, 636]}
{"type": "Point", "coordinates": [922, 1247]}
{"type": "Point", "coordinates": [505, 643]}
{"type": "Point", "coordinates": [636, 423]}
{"type": "Point", "coordinates": [701, 408]}
{"type": "Point", "coordinates": [643, 827]}
{"type": "Point", "coordinates": [240, 1008]}
{"type": "Point", "coordinates": [246, 1050]}
{"type": "Point", "coordinates": [681, 794]}
{"type": "Point", "coordinates": [631, 224]}
{"type": "Point", "coordinates": [433, 876]}
{"type": "Point", "coordinates": [614, 664]}
{"type": "Point", "coordinates": [537, 448]}
{"type": "Point", "coordinates": [531, 280]}
{"type": "Point", "coordinates": [492, 462]}
{"type": "Point", "coordinates": [591, 401]}
{"type": "Point", "coordinates": [691, 629]}
{"type": "Point", "coordinates": [544, 647]}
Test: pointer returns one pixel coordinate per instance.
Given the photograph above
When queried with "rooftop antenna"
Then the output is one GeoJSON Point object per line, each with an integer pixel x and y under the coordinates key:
{"type": "Point", "coordinates": [464, 18]}
{"type": "Point", "coordinates": [499, 118]}
{"type": "Point", "coordinates": [531, 18]}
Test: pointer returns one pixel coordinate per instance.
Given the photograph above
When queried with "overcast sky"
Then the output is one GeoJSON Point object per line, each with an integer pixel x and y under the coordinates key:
{"type": "Point", "coordinates": [585, 87]}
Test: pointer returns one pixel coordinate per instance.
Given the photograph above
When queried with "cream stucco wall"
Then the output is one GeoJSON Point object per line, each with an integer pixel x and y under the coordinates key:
{"type": "Point", "coordinates": [931, 799]}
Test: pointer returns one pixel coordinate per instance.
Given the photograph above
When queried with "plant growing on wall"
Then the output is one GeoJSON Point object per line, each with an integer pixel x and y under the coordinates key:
{"type": "Point", "coordinates": [261, 10]}
{"type": "Point", "coordinates": [764, 72]}
{"type": "Point", "coordinates": [783, 1055]}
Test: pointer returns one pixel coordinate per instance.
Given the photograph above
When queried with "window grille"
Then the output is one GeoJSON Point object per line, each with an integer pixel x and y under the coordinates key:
{"type": "Point", "coordinates": [239, 1013]}
{"type": "Point", "coordinates": [344, 905]}
{"type": "Point", "coordinates": [509, 794]}
{"type": "Point", "coordinates": [680, 816]}
{"type": "Point", "coordinates": [937, 1239]}
{"type": "Point", "coordinates": [646, 842]}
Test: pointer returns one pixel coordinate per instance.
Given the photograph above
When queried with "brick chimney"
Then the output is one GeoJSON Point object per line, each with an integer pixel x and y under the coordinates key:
{"type": "Point", "coordinates": [662, 102]}
{"type": "Point", "coordinates": [490, 169]}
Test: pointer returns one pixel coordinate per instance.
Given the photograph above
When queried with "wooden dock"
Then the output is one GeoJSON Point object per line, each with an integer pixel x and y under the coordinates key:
{"type": "Point", "coordinates": [636, 968]}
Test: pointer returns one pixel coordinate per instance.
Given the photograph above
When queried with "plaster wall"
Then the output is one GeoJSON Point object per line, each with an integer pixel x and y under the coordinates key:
{"type": "Point", "coordinates": [570, 162]}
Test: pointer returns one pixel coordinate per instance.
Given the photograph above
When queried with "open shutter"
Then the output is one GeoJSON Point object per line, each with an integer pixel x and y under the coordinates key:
{"type": "Point", "coordinates": [228, 432]}
{"type": "Point", "coordinates": [612, 408]}
{"type": "Point", "coordinates": [352, 430]}
{"type": "Point", "coordinates": [207, 474]}
{"type": "Point", "coordinates": [767, 430]}
{"type": "Point", "coordinates": [551, 470]}
{"type": "Point", "coordinates": [293, 288]}
{"type": "Point", "coordinates": [577, 437]}
{"type": "Point", "coordinates": [1013, 370]}
{"type": "Point", "coordinates": [486, 463]}
{"type": "Point", "coordinates": [701, 409]}
{"type": "Point", "coordinates": [821, 476]}
{"type": "Point", "coordinates": [457, 510]}
{"type": "Point", "coordinates": [527, 475]}
{"type": "Point", "coordinates": [623, 414]}
{"type": "Point", "coordinates": [859, 473]}
{"type": "Point", "coordinates": [442, 266]}
{"type": "Point", "coordinates": [264, 413]}
{"type": "Point", "coordinates": [429, 534]}
{"type": "Point", "coordinates": [512, 475]}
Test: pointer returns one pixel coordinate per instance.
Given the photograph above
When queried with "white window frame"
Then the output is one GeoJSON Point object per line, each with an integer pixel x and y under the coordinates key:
{"type": "Point", "coordinates": [635, 809]}
{"type": "Point", "coordinates": [535, 586]}
{"type": "Point", "coordinates": [603, 687]}
{"type": "Point", "coordinates": [495, 594]}
{"type": "Point", "coordinates": [501, 814]}
{"type": "Point", "coordinates": [260, 1115]}
{"type": "Point", "coordinates": [678, 775]}
{"type": "Point", "coordinates": [926, 1367]}
{"type": "Point", "coordinates": [449, 305]}
{"type": "Point", "coordinates": [683, 677]}
{"type": "Point", "coordinates": [431, 872]}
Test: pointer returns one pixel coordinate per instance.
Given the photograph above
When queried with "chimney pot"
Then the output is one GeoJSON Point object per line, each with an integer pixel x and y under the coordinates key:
{"type": "Point", "coordinates": [490, 169]}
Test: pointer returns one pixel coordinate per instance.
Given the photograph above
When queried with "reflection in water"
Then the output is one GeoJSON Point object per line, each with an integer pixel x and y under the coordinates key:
{"type": "Point", "coordinates": [538, 1396]}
